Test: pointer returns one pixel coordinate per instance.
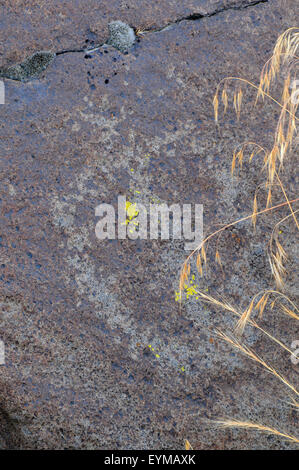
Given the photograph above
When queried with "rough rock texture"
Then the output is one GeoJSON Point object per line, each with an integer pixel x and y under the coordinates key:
{"type": "Point", "coordinates": [77, 314]}
{"type": "Point", "coordinates": [31, 25]}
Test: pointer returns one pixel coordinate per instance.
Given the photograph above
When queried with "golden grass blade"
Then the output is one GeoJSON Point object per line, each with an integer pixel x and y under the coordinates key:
{"type": "Point", "coordinates": [233, 163]}
{"type": "Point", "coordinates": [224, 99]}
{"type": "Point", "coordinates": [199, 264]}
{"type": "Point", "coordinates": [207, 298]}
{"type": "Point", "coordinates": [233, 423]}
{"type": "Point", "coordinates": [225, 227]}
{"type": "Point", "coordinates": [204, 255]}
{"type": "Point", "coordinates": [262, 304]}
{"type": "Point", "coordinates": [289, 312]}
{"type": "Point", "coordinates": [244, 319]}
{"type": "Point", "coordinates": [264, 94]}
{"type": "Point", "coordinates": [188, 445]}
{"type": "Point", "coordinates": [287, 199]}
{"type": "Point", "coordinates": [252, 355]}
{"type": "Point", "coordinates": [216, 104]}
{"type": "Point", "coordinates": [254, 211]}
{"type": "Point", "coordinates": [218, 258]}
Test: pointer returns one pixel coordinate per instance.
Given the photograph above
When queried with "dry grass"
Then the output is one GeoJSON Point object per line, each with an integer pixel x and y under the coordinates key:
{"type": "Point", "coordinates": [232, 423]}
{"type": "Point", "coordinates": [252, 355]}
{"type": "Point", "coordinates": [188, 445]}
{"type": "Point", "coordinates": [281, 66]}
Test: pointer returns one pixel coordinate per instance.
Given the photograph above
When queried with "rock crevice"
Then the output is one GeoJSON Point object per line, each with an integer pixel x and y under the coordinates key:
{"type": "Point", "coordinates": [122, 37]}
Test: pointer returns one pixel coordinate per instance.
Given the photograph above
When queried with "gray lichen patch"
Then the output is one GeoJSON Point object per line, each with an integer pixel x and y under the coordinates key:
{"type": "Point", "coordinates": [122, 36]}
{"type": "Point", "coordinates": [30, 68]}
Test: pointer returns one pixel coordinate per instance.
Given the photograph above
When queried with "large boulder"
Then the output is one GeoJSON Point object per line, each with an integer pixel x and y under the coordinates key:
{"type": "Point", "coordinates": [78, 314]}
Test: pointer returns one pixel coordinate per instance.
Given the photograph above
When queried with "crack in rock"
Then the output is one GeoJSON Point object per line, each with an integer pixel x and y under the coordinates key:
{"type": "Point", "coordinates": [199, 16]}
{"type": "Point", "coordinates": [121, 37]}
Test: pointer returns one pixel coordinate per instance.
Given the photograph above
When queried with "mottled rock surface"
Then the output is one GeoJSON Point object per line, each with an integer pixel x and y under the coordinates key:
{"type": "Point", "coordinates": [77, 314]}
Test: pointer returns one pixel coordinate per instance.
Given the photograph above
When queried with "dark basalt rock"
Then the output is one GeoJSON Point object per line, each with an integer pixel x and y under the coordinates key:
{"type": "Point", "coordinates": [77, 315]}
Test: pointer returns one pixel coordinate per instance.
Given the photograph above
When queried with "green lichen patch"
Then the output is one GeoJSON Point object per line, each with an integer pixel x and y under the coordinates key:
{"type": "Point", "coordinates": [30, 68]}
{"type": "Point", "coordinates": [122, 36]}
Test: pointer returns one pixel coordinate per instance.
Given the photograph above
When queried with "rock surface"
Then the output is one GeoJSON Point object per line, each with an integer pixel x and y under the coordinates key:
{"type": "Point", "coordinates": [77, 315]}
